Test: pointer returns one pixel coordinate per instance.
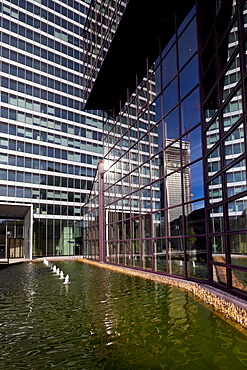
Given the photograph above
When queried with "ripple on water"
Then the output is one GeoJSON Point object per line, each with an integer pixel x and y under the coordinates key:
{"type": "Point", "coordinates": [107, 320]}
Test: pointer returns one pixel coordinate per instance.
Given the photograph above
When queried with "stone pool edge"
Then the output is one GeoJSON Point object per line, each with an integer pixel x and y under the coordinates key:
{"type": "Point", "coordinates": [225, 304]}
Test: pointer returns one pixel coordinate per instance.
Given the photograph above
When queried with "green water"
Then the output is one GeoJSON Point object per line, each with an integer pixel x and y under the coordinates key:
{"type": "Point", "coordinates": [107, 320]}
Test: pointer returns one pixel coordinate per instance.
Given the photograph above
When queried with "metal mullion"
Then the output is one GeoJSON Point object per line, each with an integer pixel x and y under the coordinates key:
{"type": "Point", "coordinates": [150, 173]}
{"type": "Point", "coordinates": [221, 145]}
{"type": "Point", "coordinates": [204, 148]}
{"type": "Point", "coordinates": [243, 71]}
{"type": "Point", "coordinates": [130, 208]}
{"type": "Point", "coordinates": [180, 152]}
{"type": "Point", "coordinates": [225, 210]}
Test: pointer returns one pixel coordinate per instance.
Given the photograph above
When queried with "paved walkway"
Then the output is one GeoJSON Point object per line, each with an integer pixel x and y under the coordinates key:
{"type": "Point", "coordinates": [4, 262]}
{"type": "Point", "coordinates": [11, 261]}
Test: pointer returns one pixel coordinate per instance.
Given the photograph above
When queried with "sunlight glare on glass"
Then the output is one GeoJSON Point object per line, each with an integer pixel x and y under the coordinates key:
{"type": "Point", "coordinates": [108, 164]}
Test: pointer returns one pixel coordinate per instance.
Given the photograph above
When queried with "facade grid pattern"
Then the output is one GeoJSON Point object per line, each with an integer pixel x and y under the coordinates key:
{"type": "Point", "coordinates": [175, 156]}
{"type": "Point", "coordinates": [50, 147]}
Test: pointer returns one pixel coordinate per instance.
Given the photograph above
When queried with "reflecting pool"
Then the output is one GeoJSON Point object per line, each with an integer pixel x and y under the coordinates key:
{"type": "Point", "coordinates": [108, 320]}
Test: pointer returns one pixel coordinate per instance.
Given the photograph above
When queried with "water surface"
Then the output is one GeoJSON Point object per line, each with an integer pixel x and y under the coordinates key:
{"type": "Point", "coordinates": [108, 320]}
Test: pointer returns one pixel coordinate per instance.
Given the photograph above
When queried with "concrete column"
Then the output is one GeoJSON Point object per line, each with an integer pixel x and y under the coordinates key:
{"type": "Point", "coordinates": [28, 234]}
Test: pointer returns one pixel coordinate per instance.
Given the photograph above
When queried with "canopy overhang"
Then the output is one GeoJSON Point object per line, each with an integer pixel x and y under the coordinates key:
{"type": "Point", "coordinates": [144, 30]}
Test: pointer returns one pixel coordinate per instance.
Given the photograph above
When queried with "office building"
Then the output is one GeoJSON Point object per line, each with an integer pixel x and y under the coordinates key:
{"type": "Point", "coordinates": [50, 147]}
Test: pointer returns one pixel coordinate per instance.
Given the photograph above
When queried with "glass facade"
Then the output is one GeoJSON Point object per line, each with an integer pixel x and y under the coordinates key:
{"type": "Point", "coordinates": [224, 115]}
{"type": "Point", "coordinates": [100, 27]}
{"type": "Point", "coordinates": [50, 147]}
{"type": "Point", "coordinates": [174, 196]}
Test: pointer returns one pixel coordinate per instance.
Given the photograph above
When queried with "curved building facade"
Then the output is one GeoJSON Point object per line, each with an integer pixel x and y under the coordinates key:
{"type": "Point", "coordinates": [172, 195]}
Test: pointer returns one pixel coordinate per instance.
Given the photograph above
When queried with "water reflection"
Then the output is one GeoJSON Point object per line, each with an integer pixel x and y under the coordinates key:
{"type": "Point", "coordinates": [107, 320]}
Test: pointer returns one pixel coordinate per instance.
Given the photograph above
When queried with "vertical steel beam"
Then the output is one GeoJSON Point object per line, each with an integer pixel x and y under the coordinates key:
{"type": "Point", "coordinates": [101, 212]}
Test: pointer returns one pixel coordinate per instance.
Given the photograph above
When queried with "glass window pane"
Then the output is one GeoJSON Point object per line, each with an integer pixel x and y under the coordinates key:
{"type": "Point", "coordinates": [236, 179]}
{"type": "Point", "coordinates": [238, 249]}
{"type": "Point", "coordinates": [168, 66]}
{"type": "Point", "coordinates": [172, 158]}
{"type": "Point", "coordinates": [193, 182]}
{"type": "Point", "coordinates": [170, 96]}
{"type": "Point", "coordinates": [195, 220]}
{"type": "Point", "coordinates": [233, 40]}
{"type": "Point", "coordinates": [174, 215]}
{"type": "Point", "coordinates": [187, 43]}
{"type": "Point", "coordinates": [219, 274]}
{"type": "Point", "coordinates": [234, 144]}
{"type": "Point", "coordinates": [3, 190]}
{"type": "Point", "coordinates": [231, 77]}
{"type": "Point", "coordinates": [176, 256]}
{"type": "Point", "coordinates": [214, 162]}
{"type": "Point", "coordinates": [192, 146]}
{"type": "Point", "coordinates": [190, 111]}
{"type": "Point", "coordinates": [217, 246]}
{"type": "Point", "coordinates": [189, 77]}
{"type": "Point", "coordinates": [160, 255]}
{"type": "Point", "coordinates": [212, 133]}
{"type": "Point", "coordinates": [197, 257]}
{"type": "Point", "coordinates": [233, 110]}
{"type": "Point", "coordinates": [239, 278]}
{"type": "Point", "coordinates": [216, 220]}
{"type": "Point", "coordinates": [237, 214]}
{"type": "Point", "coordinates": [215, 190]}
{"type": "Point", "coordinates": [171, 129]}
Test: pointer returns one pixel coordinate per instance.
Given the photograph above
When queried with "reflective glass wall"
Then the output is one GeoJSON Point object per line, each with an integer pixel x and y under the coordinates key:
{"type": "Point", "coordinates": [154, 193]}
{"type": "Point", "coordinates": [155, 202]}
{"type": "Point", "coordinates": [175, 156]}
{"type": "Point", "coordinates": [224, 115]}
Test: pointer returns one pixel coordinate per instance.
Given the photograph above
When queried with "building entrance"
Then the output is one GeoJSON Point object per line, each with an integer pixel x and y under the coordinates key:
{"type": "Point", "coordinates": [15, 231]}
{"type": "Point", "coordinates": [11, 237]}
{"type": "Point", "coordinates": [16, 247]}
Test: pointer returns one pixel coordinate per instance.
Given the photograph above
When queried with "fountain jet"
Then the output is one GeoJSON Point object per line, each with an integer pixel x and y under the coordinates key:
{"type": "Point", "coordinates": [66, 281]}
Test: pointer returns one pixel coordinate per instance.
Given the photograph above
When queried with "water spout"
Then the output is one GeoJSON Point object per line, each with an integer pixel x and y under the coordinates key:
{"type": "Point", "coordinates": [54, 268]}
{"type": "Point", "coordinates": [61, 275]}
{"type": "Point", "coordinates": [58, 271]}
{"type": "Point", "coordinates": [66, 281]}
